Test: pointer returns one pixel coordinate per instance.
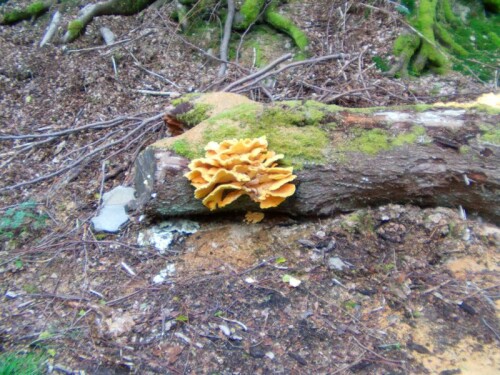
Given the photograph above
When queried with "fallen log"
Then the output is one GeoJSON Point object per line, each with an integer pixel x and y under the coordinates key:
{"type": "Point", "coordinates": [344, 159]}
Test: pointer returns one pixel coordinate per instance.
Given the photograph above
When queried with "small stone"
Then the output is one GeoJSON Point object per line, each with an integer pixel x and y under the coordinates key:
{"type": "Point", "coordinates": [164, 274]}
{"type": "Point", "coordinates": [257, 352]}
{"type": "Point", "coordinates": [306, 243]}
{"type": "Point", "coordinates": [306, 314]}
{"type": "Point", "coordinates": [112, 215]}
{"type": "Point", "coordinates": [320, 234]}
{"type": "Point", "coordinates": [270, 355]}
{"type": "Point", "coordinates": [183, 337]}
{"type": "Point", "coordinates": [110, 219]}
{"type": "Point", "coordinates": [11, 294]}
{"type": "Point", "coordinates": [335, 263]}
{"type": "Point", "coordinates": [225, 329]}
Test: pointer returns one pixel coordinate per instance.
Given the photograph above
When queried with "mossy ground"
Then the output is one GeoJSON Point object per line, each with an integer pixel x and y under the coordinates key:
{"type": "Point", "coordinates": [468, 43]}
{"type": "Point", "coordinates": [22, 364]}
{"type": "Point", "coordinates": [260, 46]}
{"type": "Point", "coordinates": [481, 39]}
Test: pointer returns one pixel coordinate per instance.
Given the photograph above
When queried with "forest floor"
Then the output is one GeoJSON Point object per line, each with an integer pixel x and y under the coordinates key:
{"type": "Point", "coordinates": [387, 290]}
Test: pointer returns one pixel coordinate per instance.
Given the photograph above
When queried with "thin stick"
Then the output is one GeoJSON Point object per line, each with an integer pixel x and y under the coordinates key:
{"type": "Point", "coordinates": [258, 73]}
{"type": "Point", "coordinates": [292, 65]}
{"type": "Point", "coordinates": [51, 30]}
{"type": "Point", "coordinates": [80, 160]}
{"type": "Point", "coordinates": [225, 39]}
{"type": "Point", "coordinates": [400, 363]}
{"type": "Point", "coordinates": [158, 93]}
{"type": "Point", "coordinates": [94, 125]}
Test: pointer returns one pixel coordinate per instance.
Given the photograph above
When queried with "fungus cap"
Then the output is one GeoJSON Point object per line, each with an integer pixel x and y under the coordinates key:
{"type": "Point", "coordinates": [234, 168]}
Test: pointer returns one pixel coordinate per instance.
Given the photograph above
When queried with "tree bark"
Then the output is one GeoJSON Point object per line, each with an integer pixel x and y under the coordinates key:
{"type": "Point", "coordinates": [440, 172]}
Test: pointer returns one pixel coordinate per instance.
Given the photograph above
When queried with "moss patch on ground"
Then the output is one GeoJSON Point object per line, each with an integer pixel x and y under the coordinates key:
{"type": "Point", "coordinates": [468, 43]}
{"type": "Point", "coordinates": [260, 46]}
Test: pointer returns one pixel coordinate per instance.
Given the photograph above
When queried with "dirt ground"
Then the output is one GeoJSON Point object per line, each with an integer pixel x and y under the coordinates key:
{"type": "Point", "coordinates": [387, 290]}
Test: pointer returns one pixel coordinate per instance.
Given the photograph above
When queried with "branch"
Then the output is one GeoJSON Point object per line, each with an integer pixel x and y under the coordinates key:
{"type": "Point", "coordinates": [227, 34]}
{"type": "Point", "coordinates": [94, 125]}
{"type": "Point", "coordinates": [51, 30]}
{"type": "Point", "coordinates": [262, 74]}
{"type": "Point", "coordinates": [88, 157]}
{"type": "Point", "coordinates": [258, 73]}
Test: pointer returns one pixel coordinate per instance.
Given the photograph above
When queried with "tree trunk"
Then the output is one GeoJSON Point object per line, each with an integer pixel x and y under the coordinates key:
{"type": "Point", "coordinates": [456, 166]}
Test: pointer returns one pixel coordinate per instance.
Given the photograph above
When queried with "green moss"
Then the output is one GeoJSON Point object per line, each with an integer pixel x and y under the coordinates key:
{"type": "Point", "coordinates": [374, 141]}
{"type": "Point", "coordinates": [302, 116]}
{"type": "Point", "coordinates": [404, 47]}
{"type": "Point", "coordinates": [130, 7]}
{"type": "Point", "coordinates": [481, 38]}
{"type": "Point", "coordinates": [291, 133]}
{"type": "Point", "coordinates": [448, 14]}
{"type": "Point", "coordinates": [249, 12]}
{"type": "Point", "coordinates": [181, 147]}
{"type": "Point", "coordinates": [360, 221]}
{"type": "Point", "coordinates": [369, 142]}
{"type": "Point", "coordinates": [406, 44]}
{"type": "Point", "coordinates": [33, 10]}
{"type": "Point", "coordinates": [408, 138]}
{"type": "Point", "coordinates": [285, 25]}
{"type": "Point", "coordinates": [492, 5]}
{"type": "Point", "coordinates": [37, 8]}
{"type": "Point", "coordinates": [490, 134]}
{"type": "Point", "coordinates": [445, 37]}
{"type": "Point", "coordinates": [185, 99]}
{"type": "Point", "coordinates": [75, 28]}
{"type": "Point", "coordinates": [301, 145]}
{"type": "Point", "coordinates": [464, 149]}
{"type": "Point", "coordinates": [381, 63]}
{"type": "Point", "coordinates": [196, 115]}
{"type": "Point", "coordinates": [260, 46]}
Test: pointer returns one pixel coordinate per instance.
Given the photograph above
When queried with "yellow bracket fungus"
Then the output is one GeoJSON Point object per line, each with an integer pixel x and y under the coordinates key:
{"type": "Point", "coordinates": [234, 168]}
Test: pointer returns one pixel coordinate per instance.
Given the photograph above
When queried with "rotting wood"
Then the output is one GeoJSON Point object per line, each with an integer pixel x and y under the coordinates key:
{"type": "Point", "coordinates": [430, 173]}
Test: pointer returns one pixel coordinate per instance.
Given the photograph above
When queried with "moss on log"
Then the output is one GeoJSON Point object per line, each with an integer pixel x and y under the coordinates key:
{"type": "Point", "coordinates": [34, 10]}
{"type": "Point", "coordinates": [108, 8]}
{"type": "Point", "coordinates": [345, 159]}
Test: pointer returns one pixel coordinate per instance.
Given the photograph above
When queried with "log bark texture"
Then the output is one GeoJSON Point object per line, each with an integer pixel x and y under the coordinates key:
{"type": "Point", "coordinates": [436, 173]}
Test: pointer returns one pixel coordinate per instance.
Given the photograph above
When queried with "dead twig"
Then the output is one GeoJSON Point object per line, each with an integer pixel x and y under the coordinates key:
{"type": "Point", "coordinates": [225, 39]}
{"type": "Point", "coordinates": [258, 73]}
{"type": "Point", "coordinates": [396, 362]}
{"type": "Point", "coordinates": [89, 156]}
{"type": "Point", "coordinates": [95, 125]}
{"type": "Point", "coordinates": [264, 73]}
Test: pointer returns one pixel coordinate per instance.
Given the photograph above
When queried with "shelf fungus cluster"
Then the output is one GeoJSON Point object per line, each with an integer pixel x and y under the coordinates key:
{"type": "Point", "coordinates": [234, 168]}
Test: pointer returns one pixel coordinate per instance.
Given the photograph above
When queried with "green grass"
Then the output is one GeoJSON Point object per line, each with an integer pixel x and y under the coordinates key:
{"type": "Point", "coordinates": [21, 364]}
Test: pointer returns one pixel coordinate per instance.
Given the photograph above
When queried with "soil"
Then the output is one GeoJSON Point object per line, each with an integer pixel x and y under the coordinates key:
{"type": "Point", "coordinates": [419, 288]}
